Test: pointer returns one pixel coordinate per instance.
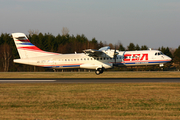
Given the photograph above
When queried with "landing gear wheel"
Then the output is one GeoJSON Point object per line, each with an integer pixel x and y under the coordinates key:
{"type": "Point", "coordinates": [97, 72]}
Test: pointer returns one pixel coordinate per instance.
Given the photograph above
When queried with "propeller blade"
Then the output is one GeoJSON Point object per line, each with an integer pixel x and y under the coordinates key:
{"type": "Point", "coordinates": [115, 56]}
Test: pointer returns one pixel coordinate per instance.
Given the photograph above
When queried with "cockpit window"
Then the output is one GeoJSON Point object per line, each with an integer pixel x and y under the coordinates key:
{"type": "Point", "coordinates": [159, 53]}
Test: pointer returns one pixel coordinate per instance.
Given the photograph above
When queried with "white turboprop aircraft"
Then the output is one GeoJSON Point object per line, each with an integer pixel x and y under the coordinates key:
{"type": "Point", "coordinates": [99, 60]}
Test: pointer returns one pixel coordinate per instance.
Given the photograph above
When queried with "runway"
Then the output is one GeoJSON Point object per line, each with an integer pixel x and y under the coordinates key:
{"type": "Point", "coordinates": [90, 80]}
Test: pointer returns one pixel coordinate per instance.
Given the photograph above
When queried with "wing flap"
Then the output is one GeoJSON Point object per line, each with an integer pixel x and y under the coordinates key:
{"type": "Point", "coordinates": [92, 52]}
{"type": "Point", "coordinates": [96, 53]}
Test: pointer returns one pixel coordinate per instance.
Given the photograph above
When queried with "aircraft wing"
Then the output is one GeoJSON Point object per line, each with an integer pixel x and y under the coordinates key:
{"type": "Point", "coordinates": [92, 52]}
{"type": "Point", "coordinates": [96, 53]}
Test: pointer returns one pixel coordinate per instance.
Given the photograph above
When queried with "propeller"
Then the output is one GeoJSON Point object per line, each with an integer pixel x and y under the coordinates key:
{"type": "Point", "coordinates": [115, 56]}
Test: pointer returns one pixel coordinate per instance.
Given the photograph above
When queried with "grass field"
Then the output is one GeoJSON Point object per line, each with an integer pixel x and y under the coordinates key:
{"type": "Point", "coordinates": [45, 101]}
{"type": "Point", "coordinates": [142, 74]}
{"type": "Point", "coordinates": [90, 101]}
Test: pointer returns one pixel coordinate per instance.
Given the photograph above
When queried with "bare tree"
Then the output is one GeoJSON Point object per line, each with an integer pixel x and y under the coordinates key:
{"type": "Point", "coordinates": [65, 31]}
{"type": "Point", "coordinates": [31, 32]}
{"type": "Point", "coordinates": [5, 56]}
{"type": "Point", "coordinates": [172, 50]}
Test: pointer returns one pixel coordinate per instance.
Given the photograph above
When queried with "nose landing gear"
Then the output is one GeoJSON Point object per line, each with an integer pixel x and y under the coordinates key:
{"type": "Point", "coordinates": [161, 65]}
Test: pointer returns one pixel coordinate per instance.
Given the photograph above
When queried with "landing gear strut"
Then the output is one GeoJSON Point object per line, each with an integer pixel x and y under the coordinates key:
{"type": "Point", "coordinates": [99, 71]}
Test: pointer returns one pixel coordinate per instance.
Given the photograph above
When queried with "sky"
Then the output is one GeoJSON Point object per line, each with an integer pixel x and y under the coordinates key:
{"type": "Point", "coordinates": [154, 23]}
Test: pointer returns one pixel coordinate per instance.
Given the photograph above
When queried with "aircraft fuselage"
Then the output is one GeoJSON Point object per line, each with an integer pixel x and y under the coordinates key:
{"type": "Point", "coordinates": [81, 60]}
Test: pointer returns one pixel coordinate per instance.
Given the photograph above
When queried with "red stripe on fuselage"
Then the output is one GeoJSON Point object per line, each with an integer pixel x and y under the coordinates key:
{"type": "Point", "coordinates": [142, 61]}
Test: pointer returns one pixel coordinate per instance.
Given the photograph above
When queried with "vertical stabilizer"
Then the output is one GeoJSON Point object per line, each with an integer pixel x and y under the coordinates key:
{"type": "Point", "coordinates": [26, 49]}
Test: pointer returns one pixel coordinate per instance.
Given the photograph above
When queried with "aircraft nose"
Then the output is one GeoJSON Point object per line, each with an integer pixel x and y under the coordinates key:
{"type": "Point", "coordinates": [165, 57]}
{"type": "Point", "coordinates": [168, 58]}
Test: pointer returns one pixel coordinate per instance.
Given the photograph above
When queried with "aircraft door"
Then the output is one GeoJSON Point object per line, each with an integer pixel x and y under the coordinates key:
{"type": "Point", "coordinates": [54, 63]}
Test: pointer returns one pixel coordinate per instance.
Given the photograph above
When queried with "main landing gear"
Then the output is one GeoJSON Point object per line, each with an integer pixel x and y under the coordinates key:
{"type": "Point", "coordinates": [99, 71]}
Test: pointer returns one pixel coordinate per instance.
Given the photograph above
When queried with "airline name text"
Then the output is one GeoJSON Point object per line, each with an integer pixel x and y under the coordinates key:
{"type": "Point", "coordinates": [135, 57]}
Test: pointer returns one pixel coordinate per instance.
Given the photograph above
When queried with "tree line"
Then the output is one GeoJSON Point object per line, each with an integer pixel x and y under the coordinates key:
{"type": "Point", "coordinates": [65, 44]}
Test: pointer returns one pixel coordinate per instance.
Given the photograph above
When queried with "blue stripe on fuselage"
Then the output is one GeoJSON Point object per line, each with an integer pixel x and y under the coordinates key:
{"type": "Point", "coordinates": [132, 63]}
{"type": "Point", "coordinates": [66, 66]}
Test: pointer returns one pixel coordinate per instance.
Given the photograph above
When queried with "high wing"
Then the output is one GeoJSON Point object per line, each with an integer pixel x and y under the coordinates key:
{"type": "Point", "coordinates": [96, 53]}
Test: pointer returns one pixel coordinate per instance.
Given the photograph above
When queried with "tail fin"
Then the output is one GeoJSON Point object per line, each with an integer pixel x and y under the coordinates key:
{"type": "Point", "coordinates": [26, 49]}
